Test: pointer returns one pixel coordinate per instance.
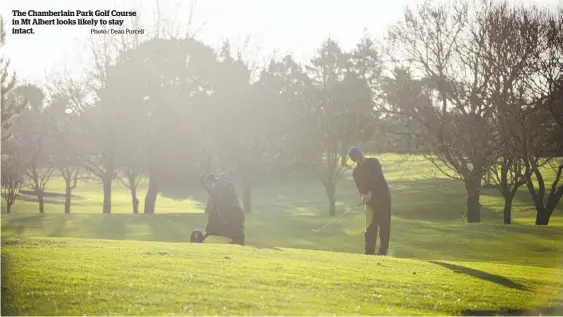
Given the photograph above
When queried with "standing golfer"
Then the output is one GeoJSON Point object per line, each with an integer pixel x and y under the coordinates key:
{"type": "Point", "coordinates": [373, 187]}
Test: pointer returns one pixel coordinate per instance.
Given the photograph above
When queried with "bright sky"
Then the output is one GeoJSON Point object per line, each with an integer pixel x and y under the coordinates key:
{"type": "Point", "coordinates": [285, 26]}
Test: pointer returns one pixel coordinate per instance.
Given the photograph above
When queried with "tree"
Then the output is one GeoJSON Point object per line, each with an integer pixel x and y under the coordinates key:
{"type": "Point", "coordinates": [444, 45]}
{"type": "Point", "coordinates": [164, 83]}
{"type": "Point", "coordinates": [402, 92]}
{"type": "Point", "coordinates": [32, 131]}
{"type": "Point", "coordinates": [12, 179]}
{"type": "Point", "coordinates": [99, 113]}
{"type": "Point", "coordinates": [132, 168]}
{"type": "Point", "coordinates": [539, 152]}
{"type": "Point", "coordinates": [244, 121]}
{"type": "Point", "coordinates": [328, 70]}
{"type": "Point", "coordinates": [63, 142]}
{"type": "Point", "coordinates": [511, 41]}
{"type": "Point", "coordinates": [11, 107]}
{"type": "Point", "coordinates": [541, 121]}
{"type": "Point", "coordinates": [131, 157]}
{"type": "Point", "coordinates": [284, 85]}
{"type": "Point", "coordinates": [507, 175]}
{"type": "Point", "coordinates": [361, 86]}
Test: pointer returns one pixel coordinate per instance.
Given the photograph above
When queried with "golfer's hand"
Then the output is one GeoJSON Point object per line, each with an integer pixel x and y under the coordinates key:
{"type": "Point", "coordinates": [366, 197]}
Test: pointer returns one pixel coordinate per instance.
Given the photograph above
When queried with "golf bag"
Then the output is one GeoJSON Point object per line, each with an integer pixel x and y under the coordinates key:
{"type": "Point", "coordinates": [225, 216]}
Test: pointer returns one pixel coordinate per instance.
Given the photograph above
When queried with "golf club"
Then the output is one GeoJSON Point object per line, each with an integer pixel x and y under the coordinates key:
{"type": "Point", "coordinates": [336, 219]}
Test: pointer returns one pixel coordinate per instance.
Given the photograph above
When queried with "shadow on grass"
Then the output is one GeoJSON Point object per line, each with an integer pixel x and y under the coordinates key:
{"type": "Point", "coordinates": [501, 280]}
{"type": "Point", "coordinates": [423, 240]}
{"type": "Point", "coordinates": [271, 248]}
{"type": "Point", "coordinates": [539, 311]}
{"type": "Point", "coordinates": [6, 293]}
{"type": "Point", "coordinates": [112, 227]}
{"type": "Point", "coordinates": [426, 224]}
{"type": "Point", "coordinates": [411, 200]}
{"type": "Point", "coordinates": [262, 231]}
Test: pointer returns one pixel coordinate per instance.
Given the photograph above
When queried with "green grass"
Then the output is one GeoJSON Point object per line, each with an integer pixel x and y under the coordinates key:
{"type": "Point", "coordinates": [86, 263]}
{"type": "Point", "coordinates": [103, 277]}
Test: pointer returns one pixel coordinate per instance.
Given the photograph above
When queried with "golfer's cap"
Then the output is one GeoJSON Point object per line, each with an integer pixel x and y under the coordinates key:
{"type": "Point", "coordinates": [355, 152]}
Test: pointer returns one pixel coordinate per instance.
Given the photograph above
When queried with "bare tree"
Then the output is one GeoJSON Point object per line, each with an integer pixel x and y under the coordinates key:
{"type": "Point", "coordinates": [507, 176]}
{"type": "Point", "coordinates": [38, 171]}
{"type": "Point", "coordinates": [63, 142]}
{"type": "Point", "coordinates": [540, 155]}
{"type": "Point", "coordinates": [444, 46]}
{"type": "Point", "coordinates": [542, 120]}
{"type": "Point", "coordinates": [12, 179]}
{"type": "Point", "coordinates": [31, 131]}
{"type": "Point", "coordinates": [98, 113]}
{"type": "Point", "coordinates": [512, 39]}
{"type": "Point", "coordinates": [132, 167]}
{"type": "Point", "coordinates": [11, 107]}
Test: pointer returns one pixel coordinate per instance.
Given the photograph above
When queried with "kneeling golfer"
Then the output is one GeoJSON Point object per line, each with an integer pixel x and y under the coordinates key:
{"type": "Point", "coordinates": [374, 190]}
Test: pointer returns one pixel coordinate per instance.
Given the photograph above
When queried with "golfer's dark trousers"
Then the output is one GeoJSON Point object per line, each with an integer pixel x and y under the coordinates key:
{"type": "Point", "coordinates": [381, 223]}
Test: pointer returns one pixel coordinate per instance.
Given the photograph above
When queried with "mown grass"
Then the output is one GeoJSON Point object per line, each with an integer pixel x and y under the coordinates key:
{"type": "Point", "coordinates": [86, 263]}
{"type": "Point", "coordinates": [101, 277]}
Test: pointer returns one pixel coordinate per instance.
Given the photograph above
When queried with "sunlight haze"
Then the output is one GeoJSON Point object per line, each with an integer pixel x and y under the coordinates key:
{"type": "Point", "coordinates": [292, 26]}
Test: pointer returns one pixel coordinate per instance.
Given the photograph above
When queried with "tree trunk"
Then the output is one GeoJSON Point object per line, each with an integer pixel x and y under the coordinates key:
{"type": "Point", "coordinates": [41, 203]}
{"type": "Point", "coordinates": [542, 217]}
{"type": "Point", "coordinates": [68, 197]}
{"type": "Point", "coordinates": [331, 193]}
{"type": "Point", "coordinates": [8, 207]}
{"type": "Point", "coordinates": [247, 198]}
{"type": "Point", "coordinates": [150, 198]}
{"type": "Point", "coordinates": [507, 212]}
{"type": "Point", "coordinates": [473, 188]}
{"type": "Point", "coordinates": [135, 200]}
{"type": "Point", "coordinates": [107, 195]}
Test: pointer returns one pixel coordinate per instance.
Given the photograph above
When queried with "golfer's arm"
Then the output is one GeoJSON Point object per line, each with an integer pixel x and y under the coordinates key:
{"type": "Point", "coordinates": [359, 186]}
{"type": "Point", "coordinates": [376, 173]}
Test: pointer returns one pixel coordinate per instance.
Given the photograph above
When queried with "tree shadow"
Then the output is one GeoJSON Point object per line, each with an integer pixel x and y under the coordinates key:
{"type": "Point", "coordinates": [172, 228]}
{"type": "Point", "coordinates": [59, 229]}
{"type": "Point", "coordinates": [421, 205]}
{"type": "Point", "coordinates": [537, 311]}
{"type": "Point", "coordinates": [111, 227]}
{"type": "Point", "coordinates": [501, 280]}
{"type": "Point", "coordinates": [6, 292]}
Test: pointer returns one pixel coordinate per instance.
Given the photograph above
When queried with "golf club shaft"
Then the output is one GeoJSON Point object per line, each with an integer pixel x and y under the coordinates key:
{"type": "Point", "coordinates": [336, 219]}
